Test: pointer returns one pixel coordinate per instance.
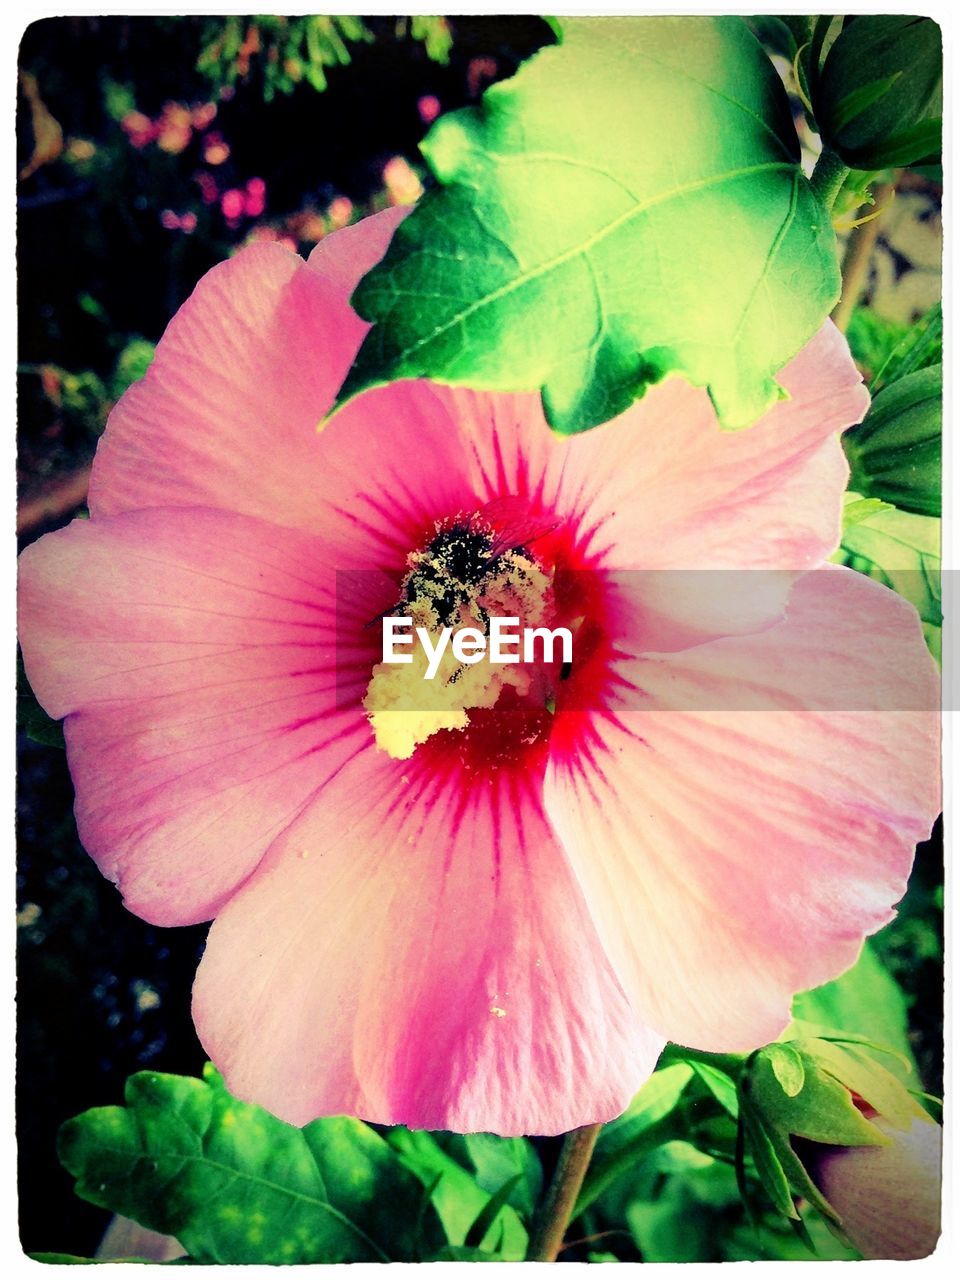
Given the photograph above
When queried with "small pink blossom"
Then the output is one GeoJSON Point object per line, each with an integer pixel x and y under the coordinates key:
{"type": "Point", "coordinates": [203, 115]}
{"type": "Point", "coordinates": [209, 190]}
{"type": "Point", "coordinates": [492, 926]}
{"type": "Point", "coordinates": [215, 149]}
{"type": "Point", "coordinates": [174, 128]}
{"type": "Point", "coordinates": [428, 107]}
{"type": "Point", "coordinates": [255, 198]}
{"type": "Point", "coordinates": [186, 222]}
{"type": "Point", "coordinates": [139, 128]}
{"type": "Point", "coordinates": [232, 204]}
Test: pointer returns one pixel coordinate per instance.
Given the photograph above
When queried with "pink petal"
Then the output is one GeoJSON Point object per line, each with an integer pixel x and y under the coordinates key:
{"type": "Point", "coordinates": [193, 655]}
{"type": "Point", "coordinates": [663, 488]}
{"type": "Point", "coordinates": [227, 414]}
{"type": "Point", "coordinates": [414, 950]}
{"type": "Point", "coordinates": [735, 848]}
{"type": "Point", "coordinates": [888, 1197]}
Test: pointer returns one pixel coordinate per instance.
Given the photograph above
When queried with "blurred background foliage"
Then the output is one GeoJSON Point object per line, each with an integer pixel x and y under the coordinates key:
{"type": "Point", "coordinates": [148, 150]}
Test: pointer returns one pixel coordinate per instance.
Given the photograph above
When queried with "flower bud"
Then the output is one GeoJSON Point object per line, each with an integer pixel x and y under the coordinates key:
{"type": "Point", "coordinates": [894, 454]}
{"type": "Point", "coordinates": [878, 97]}
{"type": "Point", "coordinates": [888, 1197]}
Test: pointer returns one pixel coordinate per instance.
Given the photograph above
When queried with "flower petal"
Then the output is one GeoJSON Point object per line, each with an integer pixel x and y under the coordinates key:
{"type": "Point", "coordinates": [193, 654]}
{"type": "Point", "coordinates": [663, 490]}
{"type": "Point", "coordinates": [228, 412]}
{"type": "Point", "coordinates": [414, 951]}
{"type": "Point", "coordinates": [888, 1197]}
{"type": "Point", "coordinates": [735, 848]}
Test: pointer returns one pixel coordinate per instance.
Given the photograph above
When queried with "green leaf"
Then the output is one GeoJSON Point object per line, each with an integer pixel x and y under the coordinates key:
{"type": "Point", "coordinates": [872, 339]}
{"type": "Point", "coordinates": [628, 206]}
{"type": "Point", "coordinates": [861, 1073]}
{"type": "Point", "coordinates": [720, 1085]}
{"type": "Point", "coordinates": [31, 717]}
{"type": "Point", "coordinates": [236, 1185]}
{"type": "Point", "coordinates": [776, 34]}
{"type": "Point", "coordinates": [493, 1161]}
{"type": "Point", "coordinates": [488, 1214]}
{"type": "Point", "coordinates": [768, 1164]}
{"type": "Point", "coordinates": [901, 550]}
{"type": "Point", "coordinates": [821, 1110]}
{"type": "Point", "coordinates": [787, 1067]}
{"type": "Point", "coordinates": [920, 346]}
{"type": "Point", "coordinates": [894, 454]}
{"type": "Point", "coordinates": [857, 509]}
{"type": "Point", "coordinates": [858, 100]}
{"type": "Point", "coordinates": [457, 1197]}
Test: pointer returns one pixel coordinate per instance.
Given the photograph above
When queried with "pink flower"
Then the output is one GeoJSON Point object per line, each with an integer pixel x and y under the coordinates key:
{"type": "Point", "coordinates": [428, 107]}
{"type": "Point", "coordinates": [139, 128]}
{"type": "Point", "coordinates": [215, 150]}
{"type": "Point", "coordinates": [174, 128]}
{"type": "Point", "coordinates": [171, 221]}
{"type": "Point", "coordinates": [209, 191]}
{"type": "Point", "coordinates": [232, 204]}
{"type": "Point", "coordinates": [255, 198]}
{"type": "Point", "coordinates": [489, 927]}
{"type": "Point", "coordinates": [203, 115]}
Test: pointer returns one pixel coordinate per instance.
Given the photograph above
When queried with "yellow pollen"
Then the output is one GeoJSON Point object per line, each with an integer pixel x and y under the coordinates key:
{"type": "Point", "coordinates": [404, 707]}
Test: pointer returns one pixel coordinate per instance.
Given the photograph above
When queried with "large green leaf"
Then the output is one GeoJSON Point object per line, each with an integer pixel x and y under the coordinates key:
{"type": "Point", "coordinates": [234, 1184]}
{"type": "Point", "coordinates": [628, 206]}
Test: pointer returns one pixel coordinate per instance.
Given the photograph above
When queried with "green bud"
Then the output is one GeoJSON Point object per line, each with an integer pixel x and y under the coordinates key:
{"type": "Point", "coordinates": [894, 454]}
{"type": "Point", "coordinates": [878, 97]}
{"type": "Point", "coordinates": [811, 1095]}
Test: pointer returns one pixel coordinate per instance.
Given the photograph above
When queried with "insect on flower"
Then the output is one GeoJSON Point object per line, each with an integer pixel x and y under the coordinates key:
{"type": "Point", "coordinates": [466, 554]}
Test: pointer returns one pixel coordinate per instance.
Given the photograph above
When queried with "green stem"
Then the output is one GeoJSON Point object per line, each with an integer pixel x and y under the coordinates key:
{"type": "Point", "coordinates": [553, 1216]}
{"type": "Point", "coordinates": [731, 1063]}
{"type": "Point", "coordinates": [855, 268]}
{"type": "Point", "coordinates": [828, 177]}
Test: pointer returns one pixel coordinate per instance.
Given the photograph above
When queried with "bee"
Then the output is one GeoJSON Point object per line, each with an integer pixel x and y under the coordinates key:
{"type": "Point", "coordinates": [461, 558]}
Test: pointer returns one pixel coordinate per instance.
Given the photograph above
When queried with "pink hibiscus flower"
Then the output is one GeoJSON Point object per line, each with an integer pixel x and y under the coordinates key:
{"type": "Point", "coordinates": [491, 919]}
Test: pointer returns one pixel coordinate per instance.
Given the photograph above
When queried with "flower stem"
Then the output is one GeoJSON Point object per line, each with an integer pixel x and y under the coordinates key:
{"type": "Point", "coordinates": [856, 260]}
{"type": "Point", "coordinates": [730, 1063]}
{"type": "Point", "coordinates": [828, 177]}
{"type": "Point", "coordinates": [553, 1216]}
